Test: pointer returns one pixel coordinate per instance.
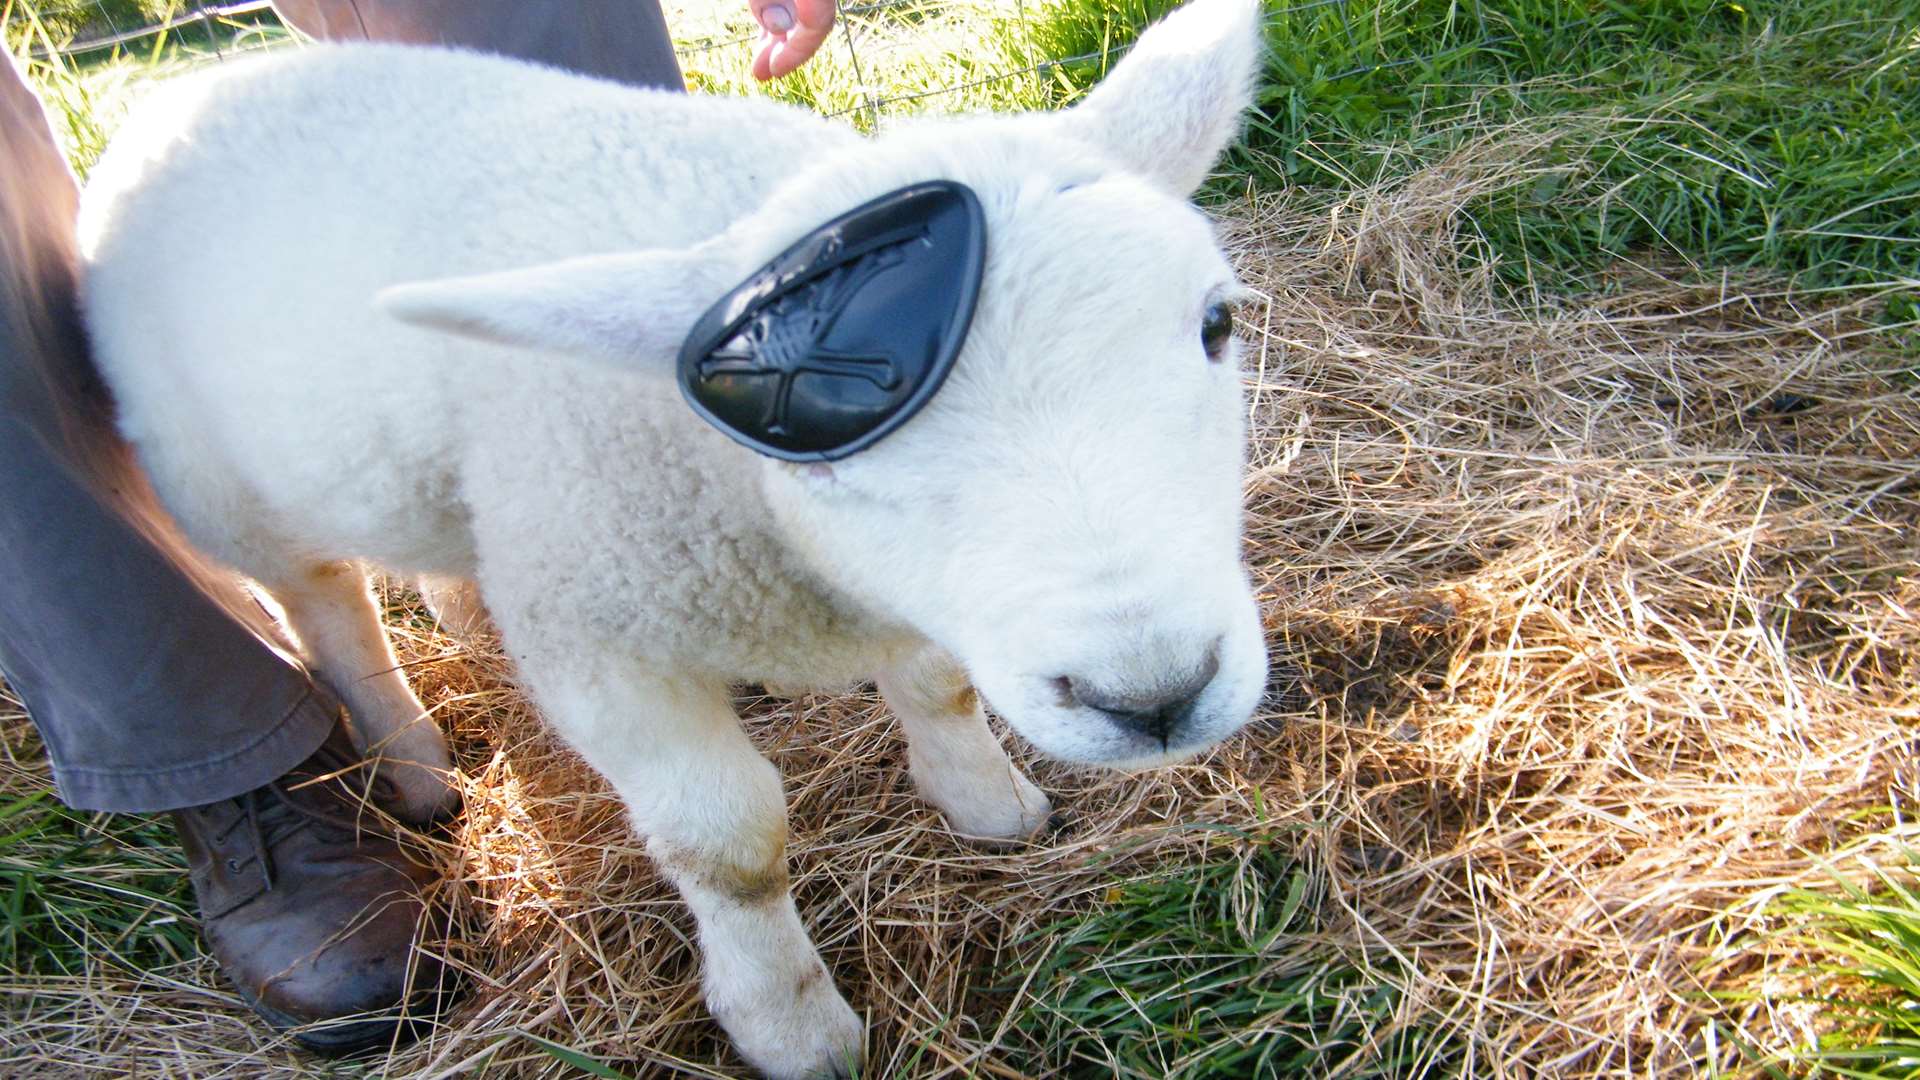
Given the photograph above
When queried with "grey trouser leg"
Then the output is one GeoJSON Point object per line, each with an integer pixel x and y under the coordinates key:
{"type": "Point", "coordinates": [138, 664]}
{"type": "Point", "coordinates": [624, 40]}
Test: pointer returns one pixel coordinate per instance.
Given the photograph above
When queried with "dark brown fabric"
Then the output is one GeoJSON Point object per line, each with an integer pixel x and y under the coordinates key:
{"type": "Point", "coordinates": [624, 40]}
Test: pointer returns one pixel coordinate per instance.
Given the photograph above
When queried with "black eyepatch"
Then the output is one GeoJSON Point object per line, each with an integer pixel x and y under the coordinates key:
{"type": "Point", "coordinates": [845, 335]}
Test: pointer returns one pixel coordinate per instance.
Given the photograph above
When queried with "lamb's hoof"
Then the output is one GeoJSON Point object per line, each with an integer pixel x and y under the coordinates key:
{"type": "Point", "coordinates": [1009, 807]}
{"type": "Point", "coordinates": [422, 796]}
{"type": "Point", "coordinates": [807, 1033]}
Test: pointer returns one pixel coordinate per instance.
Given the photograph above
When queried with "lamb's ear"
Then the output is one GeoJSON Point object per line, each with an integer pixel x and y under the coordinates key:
{"type": "Point", "coordinates": [1173, 103]}
{"type": "Point", "coordinates": [629, 310]}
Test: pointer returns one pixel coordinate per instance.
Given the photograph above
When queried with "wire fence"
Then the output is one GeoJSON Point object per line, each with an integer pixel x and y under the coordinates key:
{"type": "Point", "coordinates": [212, 30]}
{"type": "Point", "coordinates": [90, 31]}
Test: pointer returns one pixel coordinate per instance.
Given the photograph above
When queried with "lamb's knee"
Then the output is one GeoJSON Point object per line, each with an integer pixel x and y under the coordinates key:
{"type": "Point", "coordinates": [746, 870]}
{"type": "Point", "coordinates": [322, 600]}
{"type": "Point", "coordinates": [930, 686]}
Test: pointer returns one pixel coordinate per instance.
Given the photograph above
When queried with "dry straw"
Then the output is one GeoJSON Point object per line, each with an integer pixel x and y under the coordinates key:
{"type": "Point", "coordinates": [1596, 624]}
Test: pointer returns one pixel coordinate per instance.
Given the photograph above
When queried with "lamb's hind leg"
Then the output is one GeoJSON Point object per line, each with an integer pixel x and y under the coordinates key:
{"type": "Point", "coordinates": [951, 753]}
{"type": "Point", "coordinates": [715, 820]}
{"type": "Point", "coordinates": [331, 610]}
{"type": "Point", "coordinates": [456, 604]}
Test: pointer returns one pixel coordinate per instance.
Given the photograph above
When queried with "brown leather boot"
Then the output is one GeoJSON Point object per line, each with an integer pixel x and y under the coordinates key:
{"type": "Point", "coordinates": [311, 910]}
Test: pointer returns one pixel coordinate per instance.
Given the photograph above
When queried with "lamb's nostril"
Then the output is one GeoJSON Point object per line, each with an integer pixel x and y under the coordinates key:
{"type": "Point", "coordinates": [1156, 723]}
{"type": "Point", "coordinates": [1157, 714]}
{"type": "Point", "coordinates": [1063, 693]}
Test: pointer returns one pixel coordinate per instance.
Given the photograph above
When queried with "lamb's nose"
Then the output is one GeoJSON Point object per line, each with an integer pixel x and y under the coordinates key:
{"type": "Point", "coordinates": [1156, 714]}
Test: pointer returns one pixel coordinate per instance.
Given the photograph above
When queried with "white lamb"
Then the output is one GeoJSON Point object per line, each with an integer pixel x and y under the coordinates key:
{"type": "Point", "coordinates": [420, 308]}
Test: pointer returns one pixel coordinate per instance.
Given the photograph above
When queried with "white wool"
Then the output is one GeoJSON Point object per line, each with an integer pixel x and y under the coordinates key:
{"type": "Point", "coordinates": [419, 309]}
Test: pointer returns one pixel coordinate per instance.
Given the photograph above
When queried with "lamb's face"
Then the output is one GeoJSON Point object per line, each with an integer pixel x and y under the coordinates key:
{"type": "Point", "coordinates": [1065, 515]}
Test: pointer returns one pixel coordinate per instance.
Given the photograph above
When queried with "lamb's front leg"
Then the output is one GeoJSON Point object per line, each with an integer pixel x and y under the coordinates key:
{"type": "Point", "coordinates": [951, 753]}
{"type": "Point", "coordinates": [715, 820]}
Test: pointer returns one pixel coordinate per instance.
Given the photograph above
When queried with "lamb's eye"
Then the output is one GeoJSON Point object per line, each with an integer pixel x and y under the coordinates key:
{"type": "Point", "coordinates": [1215, 328]}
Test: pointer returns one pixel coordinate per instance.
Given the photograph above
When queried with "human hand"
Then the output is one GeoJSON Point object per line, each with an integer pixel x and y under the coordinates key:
{"type": "Point", "coordinates": [792, 31]}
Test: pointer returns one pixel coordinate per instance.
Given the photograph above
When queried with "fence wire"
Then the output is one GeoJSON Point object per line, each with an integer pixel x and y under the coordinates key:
{"type": "Point", "coordinates": [223, 29]}
{"type": "Point", "coordinates": [212, 31]}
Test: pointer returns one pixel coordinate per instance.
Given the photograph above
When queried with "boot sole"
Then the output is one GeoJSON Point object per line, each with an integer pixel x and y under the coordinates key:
{"type": "Point", "coordinates": [335, 1039]}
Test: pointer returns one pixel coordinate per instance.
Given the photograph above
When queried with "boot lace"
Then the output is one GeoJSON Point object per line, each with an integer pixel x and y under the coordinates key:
{"type": "Point", "coordinates": [274, 813]}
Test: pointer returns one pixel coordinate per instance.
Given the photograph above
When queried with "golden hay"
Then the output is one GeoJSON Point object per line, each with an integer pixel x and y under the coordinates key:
{"type": "Point", "coordinates": [1594, 625]}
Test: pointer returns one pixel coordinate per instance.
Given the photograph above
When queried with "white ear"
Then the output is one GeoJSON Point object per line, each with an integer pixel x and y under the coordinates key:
{"type": "Point", "coordinates": [1173, 103]}
{"type": "Point", "coordinates": [629, 310]}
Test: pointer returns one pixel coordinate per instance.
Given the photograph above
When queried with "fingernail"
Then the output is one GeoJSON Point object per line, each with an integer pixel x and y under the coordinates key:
{"type": "Point", "coordinates": [777, 18]}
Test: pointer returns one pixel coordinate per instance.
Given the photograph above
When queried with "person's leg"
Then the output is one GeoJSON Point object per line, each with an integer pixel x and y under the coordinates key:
{"type": "Point", "coordinates": [625, 40]}
{"type": "Point", "coordinates": [149, 690]}
{"type": "Point", "coordinates": [154, 681]}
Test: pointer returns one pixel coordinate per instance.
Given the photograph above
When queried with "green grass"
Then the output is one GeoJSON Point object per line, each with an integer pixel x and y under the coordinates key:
{"type": "Point", "coordinates": [1773, 135]}
{"type": "Point", "coordinates": [86, 32]}
{"type": "Point", "coordinates": [88, 19]}
{"type": "Point", "coordinates": [78, 889]}
{"type": "Point", "coordinates": [1214, 969]}
{"type": "Point", "coordinates": [1869, 938]}
{"type": "Point", "coordinates": [88, 92]}
{"type": "Point", "coordinates": [904, 58]}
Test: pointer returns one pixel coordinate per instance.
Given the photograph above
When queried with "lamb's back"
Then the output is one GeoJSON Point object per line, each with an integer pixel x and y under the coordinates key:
{"type": "Point", "coordinates": [239, 227]}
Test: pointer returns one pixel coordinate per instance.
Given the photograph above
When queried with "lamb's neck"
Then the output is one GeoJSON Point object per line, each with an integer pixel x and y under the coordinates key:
{"type": "Point", "coordinates": [806, 553]}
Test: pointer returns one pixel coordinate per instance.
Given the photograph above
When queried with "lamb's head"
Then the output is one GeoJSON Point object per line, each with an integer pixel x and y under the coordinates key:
{"type": "Point", "coordinates": [1064, 514]}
